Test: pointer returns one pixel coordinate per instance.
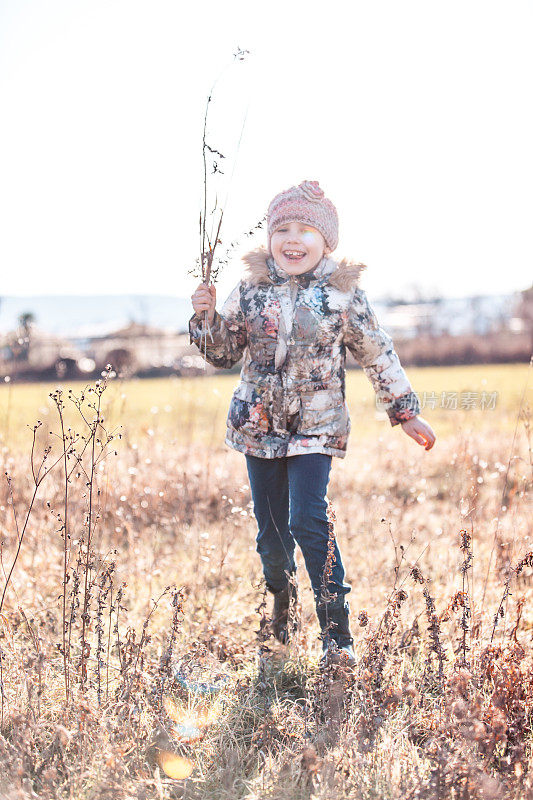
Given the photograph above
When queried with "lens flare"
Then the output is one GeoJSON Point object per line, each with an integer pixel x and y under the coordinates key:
{"type": "Point", "coordinates": [191, 723]}
{"type": "Point", "coordinates": [173, 765]}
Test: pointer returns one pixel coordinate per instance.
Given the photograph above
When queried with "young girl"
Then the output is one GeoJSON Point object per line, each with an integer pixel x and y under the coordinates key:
{"type": "Point", "coordinates": [292, 316]}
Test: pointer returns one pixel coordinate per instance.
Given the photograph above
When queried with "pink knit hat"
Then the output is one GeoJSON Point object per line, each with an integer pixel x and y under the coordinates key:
{"type": "Point", "coordinates": [305, 203]}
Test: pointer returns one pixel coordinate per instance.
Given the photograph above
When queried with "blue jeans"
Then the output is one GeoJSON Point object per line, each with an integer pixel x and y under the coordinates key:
{"type": "Point", "coordinates": [289, 497]}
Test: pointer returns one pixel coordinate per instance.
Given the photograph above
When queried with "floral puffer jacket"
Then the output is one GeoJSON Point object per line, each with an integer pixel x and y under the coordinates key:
{"type": "Point", "coordinates": [293, 332]}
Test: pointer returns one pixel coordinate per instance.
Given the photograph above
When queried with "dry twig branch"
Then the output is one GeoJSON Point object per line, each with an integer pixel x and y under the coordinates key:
{"type": "Point", "coordinates": [208, 243]}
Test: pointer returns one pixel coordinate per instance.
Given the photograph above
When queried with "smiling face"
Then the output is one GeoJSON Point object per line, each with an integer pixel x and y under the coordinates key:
{"type": "Point", "coordinates": [297, 248]}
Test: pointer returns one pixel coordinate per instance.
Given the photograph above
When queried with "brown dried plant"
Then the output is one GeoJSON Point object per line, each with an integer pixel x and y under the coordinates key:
{"type": "Point", "coordinates": [208, 241]}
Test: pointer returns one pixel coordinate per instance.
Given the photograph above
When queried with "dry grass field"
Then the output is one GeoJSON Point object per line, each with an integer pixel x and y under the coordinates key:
{"type": "Point", "coordinates": [136, 657]}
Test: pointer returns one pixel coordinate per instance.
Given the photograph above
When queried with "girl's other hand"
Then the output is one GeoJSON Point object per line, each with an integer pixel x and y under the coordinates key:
{"type": "Point", "coordinates": [419, 430]}
{"type": "Point", "coordinates": [204, 299]}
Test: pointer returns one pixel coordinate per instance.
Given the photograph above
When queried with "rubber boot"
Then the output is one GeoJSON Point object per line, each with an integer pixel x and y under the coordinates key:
{"type": "Point", "coordinates": [282, 628]}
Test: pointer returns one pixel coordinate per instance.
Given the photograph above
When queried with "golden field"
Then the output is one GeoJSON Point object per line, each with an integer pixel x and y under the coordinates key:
{"type": "Point", "coordinates": [156, 677]}
{"type": "Point", "coordinates": [194, 409]}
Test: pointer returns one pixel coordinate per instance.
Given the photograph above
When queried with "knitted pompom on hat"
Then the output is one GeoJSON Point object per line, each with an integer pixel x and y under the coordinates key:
{"type": "Point", "coordinates": [308, 204]}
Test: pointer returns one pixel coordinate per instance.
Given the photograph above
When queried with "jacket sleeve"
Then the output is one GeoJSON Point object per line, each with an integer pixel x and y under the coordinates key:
{"type": "Point", "coordinates": [228, 331]}
{"type": "Point", "coordinates": [374, 351]}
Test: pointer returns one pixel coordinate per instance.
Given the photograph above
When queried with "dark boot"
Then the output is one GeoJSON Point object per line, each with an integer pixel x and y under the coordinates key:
{"type": "Point", "coordinates": [337, 640]}
{"type": "Point", "coordinates": [282, 627]}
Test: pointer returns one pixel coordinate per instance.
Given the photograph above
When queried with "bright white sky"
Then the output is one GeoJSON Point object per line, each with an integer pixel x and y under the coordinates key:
{"type": "Point", "coordinates": [415, 117]}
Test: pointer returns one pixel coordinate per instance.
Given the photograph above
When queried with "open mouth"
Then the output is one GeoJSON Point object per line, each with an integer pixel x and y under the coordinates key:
{"type": "Point", "coordinates": [294, 255]}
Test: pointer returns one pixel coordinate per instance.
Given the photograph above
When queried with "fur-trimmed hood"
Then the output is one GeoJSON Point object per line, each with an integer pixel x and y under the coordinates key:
{"type": "Point", "coordinates": [343, 275]}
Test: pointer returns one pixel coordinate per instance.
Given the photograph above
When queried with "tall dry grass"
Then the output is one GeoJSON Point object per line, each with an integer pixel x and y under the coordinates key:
{"type": "Point", "coordinates": [135, 640]}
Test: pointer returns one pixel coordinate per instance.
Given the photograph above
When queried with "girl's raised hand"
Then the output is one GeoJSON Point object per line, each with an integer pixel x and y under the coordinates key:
{"type": "Point", "coordinates": [204, 299]}
{"type": "Point", "coordinates": [419, 430]}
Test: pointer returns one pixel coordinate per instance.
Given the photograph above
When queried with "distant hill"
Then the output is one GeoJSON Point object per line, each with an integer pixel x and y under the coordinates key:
{"type": "Point", "coordinates": [74, 315]}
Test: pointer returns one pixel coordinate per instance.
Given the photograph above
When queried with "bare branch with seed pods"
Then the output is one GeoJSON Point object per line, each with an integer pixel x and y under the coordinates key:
{"type": "Point", "coordinates": [208, 242]}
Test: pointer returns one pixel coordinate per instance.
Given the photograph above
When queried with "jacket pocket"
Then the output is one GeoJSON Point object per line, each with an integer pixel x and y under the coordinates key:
{"type": "Point", "coordinates": [249, 410]}
{"type": "Point", "coordinates": [262, 349]}
{"type": "Point", "coordinates": [324, 412]}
